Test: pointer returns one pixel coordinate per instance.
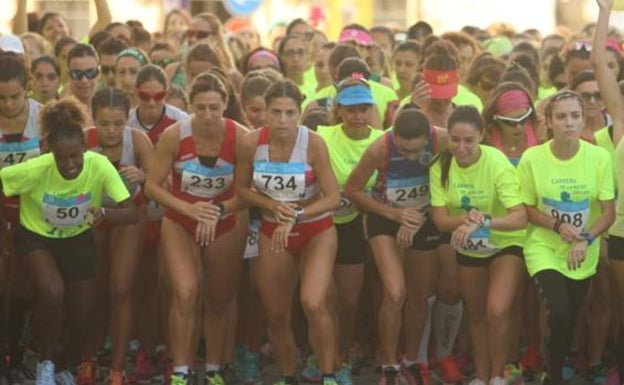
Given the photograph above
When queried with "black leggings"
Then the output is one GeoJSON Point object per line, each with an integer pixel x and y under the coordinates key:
{"type": "Point", "coordinates": [563, 298]}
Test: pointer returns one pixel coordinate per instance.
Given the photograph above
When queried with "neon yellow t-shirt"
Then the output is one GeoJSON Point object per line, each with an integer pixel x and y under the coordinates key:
{"type": "Point", "coordinates": [344, 154]}
{"type": "Point", "coordinates": [489, 185]}
{"type": "Point", "coordinates": [53, 206]}
{"type": "Point", "coordinates": [571, 190]}
{"type": "Point", "coordinates": [382, 96]}
{"type": "Point", "coordinates": [544, 93]}
{"type": "Point", "coordinates": [466, 97]}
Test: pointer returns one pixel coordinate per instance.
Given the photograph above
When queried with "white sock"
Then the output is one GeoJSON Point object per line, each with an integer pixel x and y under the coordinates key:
{"type": "Point", "coordinates": [212, 368]}
{"type": "Point", "coordinates": [447, 319]}
{"type": "Point", "coordinates": [182, 369]}
{"type": "Point", "coordinates": [423, 349]}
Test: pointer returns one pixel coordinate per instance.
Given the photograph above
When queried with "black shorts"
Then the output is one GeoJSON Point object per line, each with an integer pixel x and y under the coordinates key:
{"type": "Point", "coordinates": [615, 248]}
{"type": "Point", "coordinates": [428, 238]}
{"type": "Point", "coordinates": [468, 261]}
{"type": "Point", "coordinates": [75, 256]}
{"type": "Point", "coordinates": [351, 242]}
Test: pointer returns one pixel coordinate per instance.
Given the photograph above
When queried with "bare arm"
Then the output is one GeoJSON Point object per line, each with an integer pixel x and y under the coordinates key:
{"type": "Point", "coordinates": [605, 220]}
{"type": "Point", "coordinates": [370, 161]}
{"type": "Point", "coordinates": [104, 16]}
{"type": "Point", "coordinates": [20, 20]}
{"type": "Point", "coordinates": [607, 83]}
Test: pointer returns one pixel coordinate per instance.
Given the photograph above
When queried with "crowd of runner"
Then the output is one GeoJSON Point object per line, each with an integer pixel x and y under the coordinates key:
{"type": "Point", "coordinates": [203, 202]}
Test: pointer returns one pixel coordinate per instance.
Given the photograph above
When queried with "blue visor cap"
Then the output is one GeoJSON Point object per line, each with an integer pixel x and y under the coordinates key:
{"type": "Point", "coordinates": [354, 95]}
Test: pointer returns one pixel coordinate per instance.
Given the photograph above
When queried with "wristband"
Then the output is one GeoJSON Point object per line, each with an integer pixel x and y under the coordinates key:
{"type": "Point", "coordinates": [557, 225]}
{"type": "Point", "coordinates": [588, 237]}
{"type": "Point", "coordinates": [487, 221]}
{"type": "Point", "coordinates": [102, 212]}
{"type": "Point", "coordinates": [220, 206]}
{"type": "Point", "coordinates": [299, 211]}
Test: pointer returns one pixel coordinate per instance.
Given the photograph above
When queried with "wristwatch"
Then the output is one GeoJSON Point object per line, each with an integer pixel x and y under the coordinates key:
{"type": "Point", "coordinates": [299, 212]}
{"type": "Point", "coordinates": [588, 237]}
{"type": "Point", "coordinates": [487, 221]}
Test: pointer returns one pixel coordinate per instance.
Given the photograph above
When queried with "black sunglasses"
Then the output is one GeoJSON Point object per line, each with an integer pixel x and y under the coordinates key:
{"type": "Point", "coordinates": [90, 74]}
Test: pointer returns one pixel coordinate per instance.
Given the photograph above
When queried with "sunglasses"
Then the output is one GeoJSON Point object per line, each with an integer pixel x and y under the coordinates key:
{"type": "Point", "coordinates": [107, 70]}
{"type": "Point", "coordinates": [162, 63]}
{"type": "Point", "coordinates": [147, 96]}
{"type": "Point", "coordinates": [580, 46]}
{"type": "Point", "coordinates": [586, 96]}
{"type": "Point", "coordinates": [510, 121]}
{"type": "Point", "coordinates": [90, 74]}
{"type": "Point", "coordinates": [199, 34]}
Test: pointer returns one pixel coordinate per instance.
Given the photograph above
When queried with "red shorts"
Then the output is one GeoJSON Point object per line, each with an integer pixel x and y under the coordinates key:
{"type": "Point", "coordinates": [300, 234]}
{"type": "Point", "coordinates": [190, 225]}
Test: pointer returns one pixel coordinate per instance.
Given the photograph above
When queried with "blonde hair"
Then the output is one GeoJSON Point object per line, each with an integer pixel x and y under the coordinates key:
{"type": "Point", "coordinates": [221, 45]}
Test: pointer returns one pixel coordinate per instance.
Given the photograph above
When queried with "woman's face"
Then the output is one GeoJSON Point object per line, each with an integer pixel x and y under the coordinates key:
{"type": "Point", "coordinates": [250, 37]}
{"type": "Point", "coordinates": [321, 68]}
{"type": "Point", "coordinates": [69, 156]}
{"type": "Point", "coordinates": [201, 30]}
{"type": "Point", "coordinates": [405, 67]}
{"type": "Point", "coordinates": [208, 107]}
{"type": "Point", "coordinates": [194, 68]}
{"type": "Point", "coordinates": [255, 110]}
{"type": "Point", "coordinates": [592, 101]}
{"type": "Point", "coordinates": [54, 29]}
{"type": "Point", "coordinates": [283, 115]}
{"type": "Point", "coordinates": [176, 25]}
{"type": "Point", "coordinates": [566, 119]}
{"type": "Point", "coordinates": [162, 57]}
{"type": "Point", "coordinates": [357, 116]}
{"type": "Point", "coordinates": [83, 77]}
{"type": "Point", "coordinates": [121, 31]}
{"type": "Point", "coordinates": [261, 62]}
{"type": "Point", "coordinates": [466, 53]}
{"type": "Point", "coordinates": [12, 98]}
{"type": "Point", "coordinates": [509, 125]}
{"type": "Point", "coordinates": [110, 124]}
{"type": "Point", "coordinates": [295, 57]}
{"type": "Point", "coordinates": [152, 96]}
{"type": "Point", "coordinates": [45, 82]}
{"type": "Point", "coordinates": [126, 70]}
{"type": "Point", "coordinates": [464, 139]}
{"type": "Point", "coordinates": [411, 148]}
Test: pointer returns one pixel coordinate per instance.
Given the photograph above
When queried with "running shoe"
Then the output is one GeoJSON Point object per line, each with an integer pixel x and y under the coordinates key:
{"type": "Point", "coordinates": [512, 375]}
{"type": "Point", "coordinates": [476, 381]}
{"type": "Point", "coordinates": [343, 376]}
{"type": "Point", "coordinates": [251, 373]}
{"type": "Point", "coordinates": [64, 378]}
{"type": "Point", "coordinates": [417, 374]}
{"type": "Point", "coordinates": [179, 379]}
{"type": "Point", "coordinates": [449, 372]}
{"type": "Point", "coordinates": [389, 376]}
{"type": "Point", "coordinates": [86, 373]}
{"type": "Point", "coordinates": [214, 378]}
{"type": "Point", "coordinates": [144, 369]}
{"type": "Point", "coordinates": [597, 374]}
{"type": "Point", "coordinates": [116, 377]}
{"type": "Point", "coordinates": [45, 373]}
{"type": "Point", "coordinates": [310, 373]}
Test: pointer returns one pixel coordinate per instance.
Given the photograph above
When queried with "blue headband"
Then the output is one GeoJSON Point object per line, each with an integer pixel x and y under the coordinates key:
{"type": "Point", "coordinates": [354, 95]}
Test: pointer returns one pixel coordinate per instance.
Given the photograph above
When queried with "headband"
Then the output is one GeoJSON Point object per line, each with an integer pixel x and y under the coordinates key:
{"type": "Point", "coordinates": [353, 34]}
{"type": "Point", "coordinates": [512, 100]}
{"type": "Point", "coordinates": [135, 53]}
{"type": "Point", "coordinates": [267, 54]}
{"type": "Point", "coordinates": [354, 95]}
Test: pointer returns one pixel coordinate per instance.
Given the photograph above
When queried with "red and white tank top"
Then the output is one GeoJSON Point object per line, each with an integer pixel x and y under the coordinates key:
{"type": "Point", "coordinates": [170, 116]}
{"type": "Point", "coordinates": [195, 178]}
{"type": "Point", "coordinates": [290, 181]}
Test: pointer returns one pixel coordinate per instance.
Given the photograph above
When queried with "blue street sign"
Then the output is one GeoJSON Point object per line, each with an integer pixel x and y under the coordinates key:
{"type": "Point", "coordinates": [242, 8]}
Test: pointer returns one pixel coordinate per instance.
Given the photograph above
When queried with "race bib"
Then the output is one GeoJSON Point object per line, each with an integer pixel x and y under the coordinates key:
{"type": "Point", "coordinates": [411, 192]}
{"type": "Point", "coordinates": [573, 213]}
{"type": "Point", "coordinates": [66, 212]}
{"type": "Point", "coordinates": [18, 152]}
{"type": "Point", "coordinates": [479, 242]}
{"type": "Point", "coordinates": [251, 248]}
{"type": "Point", "coordinates": [346, 207]}
{"type": "Point", "coordinates": [206, 182]}
{"type": "Point", "coordinates": [281, 181]}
